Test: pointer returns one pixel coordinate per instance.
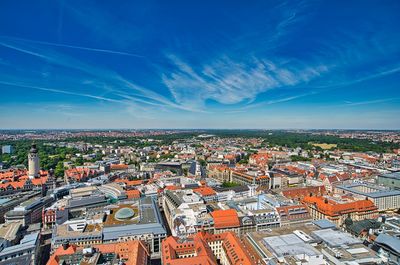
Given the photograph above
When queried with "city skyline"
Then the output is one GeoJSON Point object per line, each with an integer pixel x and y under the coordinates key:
{"type": "Point", "coordinates": [264, 65]}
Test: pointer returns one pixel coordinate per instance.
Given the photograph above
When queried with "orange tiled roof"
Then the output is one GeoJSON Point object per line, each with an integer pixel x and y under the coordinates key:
{"type": "Point", "coordinates": [172, 187]}
{"type": "Point", "coordinates": [219, 167]}
{"type": "Point", "coordinates": [205, 191]}
{"type": "Point", "coordinates": [61, 251]}
{"type": "Point", "coordinates": [39, 181]}
{"type": "Point", "coordinates": [333, 208]}
{"type": "Point", "coordinates": [133, 194]}
{"type": "Point", "coordinates": [286, 212]}
{"type": "Point", "coordinates": [237, 254]}
{"type": "Point", "coordinates": [118, 167]}
{"type": "Point", "coordinates": [225, 218]}
{"type": "Point", "coordinates": [297, 193]}
{"type": "Point", "coordinates": [79, 173]}
{"type": "Point", "coordinates": [171, 249]}
{"type": "Point", "coordinates": [260, 159]}
{"type": "Point", "coordinates": [230, 156]}
{"type": "Point", "coordinates": [134, 252]}
{"type": "Point", "coordinates": [198, 246]}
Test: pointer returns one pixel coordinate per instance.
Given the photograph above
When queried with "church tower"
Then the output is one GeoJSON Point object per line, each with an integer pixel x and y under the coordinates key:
{"type": "Point", "coordinates": [33, 162]}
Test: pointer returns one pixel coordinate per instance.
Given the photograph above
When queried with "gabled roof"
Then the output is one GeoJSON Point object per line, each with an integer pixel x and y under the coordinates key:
{"type": "Point", "coordinates": [225, 218]}
{"type": "Point", "coordinates": [205, 191]}
{"type": "Point", "coordinates": [332, 208]}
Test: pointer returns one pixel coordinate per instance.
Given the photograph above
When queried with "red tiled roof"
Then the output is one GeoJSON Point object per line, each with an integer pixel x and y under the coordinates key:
{"type": "Point", "coordinates": [134, 252]}
{"type": "Point", "coordinates": [205, 191]}
{"type": "Point", "coordinates": [332, 208]}
{"type": "Point", "coordinates": [297, 193]}
{"type": "Point", "coordinates": [118, 167]}
{"type": "Point", "coordinates": [197, 245]}
{"type": "Point", "coordinates": [133, 194]}
{"type": "Point", "coordinates": [225, 218]}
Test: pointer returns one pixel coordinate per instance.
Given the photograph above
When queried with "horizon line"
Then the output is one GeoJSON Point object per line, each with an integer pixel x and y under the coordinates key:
{"type": "Point", "coordinates": [194, 129]}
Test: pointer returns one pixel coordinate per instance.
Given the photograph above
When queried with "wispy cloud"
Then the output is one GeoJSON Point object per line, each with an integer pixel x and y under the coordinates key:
{"type": "Point", "coordinates": [230, 82]}
{"type": "Point", "coordinates": [368, 76]}
{"type": "Point", "coordinates": [103, 24]}
{"type": "Point", "coordinates": [104, 79]}
{"type": "Point", "coordinates": [73, 47]}
{"type": "Point", "coordinates": [368, 102]}
{"type": "Point", "coordinates": [59, 91]}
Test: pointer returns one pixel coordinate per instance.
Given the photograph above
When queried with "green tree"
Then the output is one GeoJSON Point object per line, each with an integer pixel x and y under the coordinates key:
{"type": "Point", "coordinates": [59, 170]}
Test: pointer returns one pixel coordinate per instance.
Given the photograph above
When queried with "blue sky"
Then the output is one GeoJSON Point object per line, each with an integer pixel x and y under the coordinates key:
{"type": "Point", "coordinates": [200, 64]}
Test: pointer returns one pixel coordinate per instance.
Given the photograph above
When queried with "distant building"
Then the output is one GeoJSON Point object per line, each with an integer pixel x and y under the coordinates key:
{"type": "Point", "coordinates": [196, 169]}
{"type": "Point", "coordinates": [337, 210]}
{"type": "Point", "coordinates": [175, 167]}
{"type": "Point", "coordinates": [384, 198]}
{"type": "Point", "coordinates": [293, 214]}
{"type": "Point", "coordinates": [219, 172]}
{"type": "Point", "coordinates": [7, 149]}
{"type": "Point", "coordinates": [206, 193]}
{"type": "Point", "coordinates": [79, 174]}
{"type": "Point", "coordinates": [390, 180]}
{"type": "Point", "coordinates": [300, 193]}
{"type": "Point", "coordinates": [250, 179]}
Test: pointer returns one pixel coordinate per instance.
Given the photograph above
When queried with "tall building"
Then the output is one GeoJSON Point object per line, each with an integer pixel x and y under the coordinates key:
{"type": "Point", "coordinates": [33, 162]}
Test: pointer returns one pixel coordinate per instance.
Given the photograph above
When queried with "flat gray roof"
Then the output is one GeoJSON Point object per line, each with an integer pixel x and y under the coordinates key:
{"type": "Point", "coordinates": [335, 238]}
{"type": "Point", "coordinates": [113, 232]}
{"type": "Point", "coordinates": [289, 245]}
{"type": "Point", "coordinates": [324, 223]}
{"type": "Point", "coordinates": [380, 191]}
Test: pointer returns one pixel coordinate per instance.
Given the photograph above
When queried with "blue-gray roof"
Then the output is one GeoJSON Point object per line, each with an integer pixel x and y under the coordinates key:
{"type": "Point", "coordinates": [28, 242]}
{"type": "Point", "coordinates": [389, 241]}
{"type": "Point", "coordinates": [393, 175]}
{"type": "Point", "coordinates": [381, 191]}
{"type": "Point", "coordinates": [4, 200]}
{"type": "Point", "coordinates": [114, 232]}
{"type": "Point", "coordinates": [30, 238]}
{"type": "Point", "coordinates": [25, 259]}
{"type": "Point", "coordinates": [86, 201]}
{"type": "Point", "coordinates": [324, 223]}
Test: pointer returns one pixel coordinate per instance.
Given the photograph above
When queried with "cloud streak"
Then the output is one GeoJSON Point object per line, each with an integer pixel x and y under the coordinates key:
{"type": "Point", "coordinates": [73, 47]}
{"type": "Point", "coordinates": [369, 102]}
{"type": "Point", "coordinates": [230, 82]}
{"type": "Point", "coordinates": [106, 79]}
